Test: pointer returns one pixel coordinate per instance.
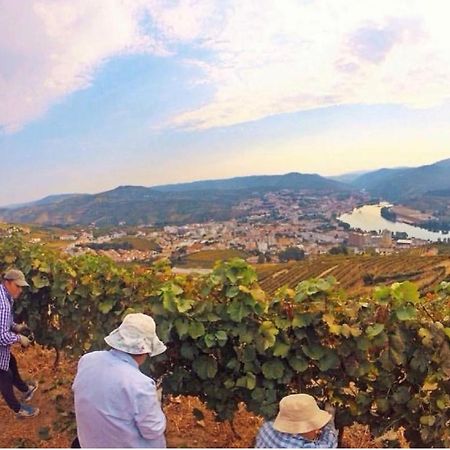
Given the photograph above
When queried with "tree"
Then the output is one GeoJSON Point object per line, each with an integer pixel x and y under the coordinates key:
{"type": "Point", "coordinates": [292, 254]}
{"type": "Point", "coordinates": [338, 250]}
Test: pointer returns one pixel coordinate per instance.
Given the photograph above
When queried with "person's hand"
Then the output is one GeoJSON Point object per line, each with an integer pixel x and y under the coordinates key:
{"type": "Point", "coordinates": [24, 341]}
{"type": "Point", "coordinates": [21, 327]}
{"type": "Point", "coordinates": [330, 409]}
{"type": "Point", "coordinates": [159, 394]}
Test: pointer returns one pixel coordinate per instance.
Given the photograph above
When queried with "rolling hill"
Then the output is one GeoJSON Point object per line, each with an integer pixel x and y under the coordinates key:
{"type": "Point", "coordinates": [170, 204]}
{"type": "Point", "coordinates": [406, 183]}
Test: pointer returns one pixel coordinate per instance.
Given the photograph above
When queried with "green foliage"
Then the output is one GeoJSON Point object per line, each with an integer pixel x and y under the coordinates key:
{"type": "Point", "coordinates": [292, 254]}
{"type": "Point", "coordinates": [382, 360]}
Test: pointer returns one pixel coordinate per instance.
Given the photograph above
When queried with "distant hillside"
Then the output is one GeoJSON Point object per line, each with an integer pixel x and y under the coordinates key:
{"type": "Point", "coordinates": [293, 181]}
{"type": "Point", "coordinates": [43, 201]}
{"type": "Point", "coordinates": [348, 177]}
{"type": "Point", "coordinates": [171, 204]}
{"type": "Point", "coordinates": [406, 183]}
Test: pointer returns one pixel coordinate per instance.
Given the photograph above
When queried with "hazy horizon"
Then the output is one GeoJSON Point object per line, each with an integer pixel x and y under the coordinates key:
{"type": "Point", "coordinates": [97, 94]}
{"type": "Point", "coordinates": [195, 180]}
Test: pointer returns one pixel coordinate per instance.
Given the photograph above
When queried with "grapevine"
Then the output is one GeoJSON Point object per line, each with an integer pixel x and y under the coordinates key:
{"type": "Point", "coordinates": [382, 359]}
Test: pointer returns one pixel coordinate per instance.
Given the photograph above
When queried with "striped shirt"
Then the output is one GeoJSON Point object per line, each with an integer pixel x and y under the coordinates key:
{"type": "Point", "coordinates": [7, 337]}
{"type": "Point", "coordinates": [268, 437]}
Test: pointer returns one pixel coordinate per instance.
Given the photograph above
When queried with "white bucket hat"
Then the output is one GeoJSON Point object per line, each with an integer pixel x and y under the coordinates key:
{"type": "Point", "coordinates": [299, 413]}
{"type": "Point", "coordinates": [136, 335]}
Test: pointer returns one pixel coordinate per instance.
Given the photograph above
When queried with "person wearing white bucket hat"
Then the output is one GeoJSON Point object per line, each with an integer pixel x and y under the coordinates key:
{"type": "Point", "coordinates": [116, 405]}
{"type": "Point", "coordinates": [300, 423]}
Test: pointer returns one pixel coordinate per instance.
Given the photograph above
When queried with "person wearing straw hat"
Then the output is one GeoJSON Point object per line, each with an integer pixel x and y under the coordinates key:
{"type": "Point", "coordinates": [116, 405]}
{"type": "Point", "coordinates": [10, 333]}
{"type": "Point", "coordinates": [300, 423]}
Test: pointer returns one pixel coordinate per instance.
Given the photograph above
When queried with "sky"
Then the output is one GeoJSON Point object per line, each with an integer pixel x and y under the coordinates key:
{"type": "Point", "coordinates": [95, 94]}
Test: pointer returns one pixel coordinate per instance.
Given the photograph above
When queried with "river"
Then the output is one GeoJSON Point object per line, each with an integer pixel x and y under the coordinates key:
{"type": "Point", "coordinates": [368, 218]}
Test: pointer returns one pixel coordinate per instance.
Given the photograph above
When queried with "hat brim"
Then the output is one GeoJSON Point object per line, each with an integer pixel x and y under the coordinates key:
{"type": "Point", "coordinates": [151, 346]}
{"type": "Point", "coordinates": [21, 283]}
{"type": "Point", "coordinates": [319, 420]}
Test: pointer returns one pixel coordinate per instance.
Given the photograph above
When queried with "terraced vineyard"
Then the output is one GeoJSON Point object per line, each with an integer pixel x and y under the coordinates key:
{"type": "Point", "coordinates": [358, 274]}
{"type": "Point", "coordinates": [207, 258]}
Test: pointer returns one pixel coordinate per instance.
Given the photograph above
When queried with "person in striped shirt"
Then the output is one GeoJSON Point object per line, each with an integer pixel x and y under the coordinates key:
{"type": "Point", "coordinates": [300, 423]}
{"type": "Point", "coordinates": [10, 333]}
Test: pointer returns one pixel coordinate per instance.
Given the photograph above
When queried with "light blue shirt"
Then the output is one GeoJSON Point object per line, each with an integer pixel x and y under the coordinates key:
{"type": "Point", "coordinates": [116, 405]}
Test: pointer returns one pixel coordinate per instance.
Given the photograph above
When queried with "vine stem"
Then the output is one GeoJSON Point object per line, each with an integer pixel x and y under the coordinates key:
{"type": "Point", "coordinates": [427, 313]}
{"type": "Point", "coordinates": [57, 358]}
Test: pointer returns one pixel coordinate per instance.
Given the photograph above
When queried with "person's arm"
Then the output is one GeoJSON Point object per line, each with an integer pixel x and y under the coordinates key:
{"type": "Point", "coordinates": [7, 337]}
{"type": "Point", "coordinates": [149, 416]}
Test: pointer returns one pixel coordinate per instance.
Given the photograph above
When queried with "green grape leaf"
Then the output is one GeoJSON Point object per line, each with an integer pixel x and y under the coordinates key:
{"type": "Point", "coordinates": [447, 332]}
{"type": "Point", "coordinates": [298, 363]}
{"type": "Point", "coordinates": [40, 281]}
{"type": "Point", "coordinates": [196, 330]}
{"type": "Point", "coordinates": [273, 369]}
{"type": "Point", "coordinates": [182, 326]}
{"type": "Point", "coordinates": [210, 340]}
{"type": "Point", "coordinates": [407, 312]}
{"type": "Point", "coordinates": [221, 337]}
{"type": "Point", "coordinates": [188, 351]}
{"type": "Point", "coordinates": [176, 290]}
{"type": "Point", "coordinates": [183, 305]}
{"type": "Point", "coordinates": [258, 294]}
{"type": "Point", "coordinates": [169, 302]}
{"type": "Point", "coordinates": [237, 310]}
{"type": "Point", "coordinates": [302, 320]}
{"type": "Point", "coordinates": [419, 361]}
{"type": "Point", "coordinates": [281, 349]}
{"type": "Point", "coordinates": [382, 405]}
{"type": "Point", "coordinates": [248, 381]}
{"type": "Point", "coordinates": [329, 361]}
{"type": "Point", "coordinates": [232, 291]}
{"type": "Point", "coordinates": [374, 330]}
{"type": "Point", "coordinates": [401, 395]}
{"type": "Point", "coordinates": [229, 384]}
{"type": "Point", "coordinates": [363, 343]}
{"type": "Point", "coordinates": [313, 351]}
{"type": "Point", "coordinates": [106, 306]}
{"type": "Point", "coordinates": [258, 394]}
{"type": "Point", "coordinates": [268, 332]}
{"type": "Point", "coordinates": [205, 367]}
{"type": "Point", "coordinates": [405, 292]}
{"type": "Point", "coordinates": [381, 294]}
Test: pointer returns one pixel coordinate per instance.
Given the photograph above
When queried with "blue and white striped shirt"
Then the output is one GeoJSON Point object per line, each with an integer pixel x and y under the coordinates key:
{"type": "Point", "coordinates": [268, 437]}
{"type": "Point", "coordinates": [7, 337]}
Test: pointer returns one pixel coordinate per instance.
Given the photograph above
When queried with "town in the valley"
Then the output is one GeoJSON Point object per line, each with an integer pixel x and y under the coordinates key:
{"type": "Point", "coordinates": [305, 222]}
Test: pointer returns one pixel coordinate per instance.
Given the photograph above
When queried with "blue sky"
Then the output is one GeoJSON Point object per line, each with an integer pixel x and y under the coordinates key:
{"type": "Point", "coordinates": [97, 94]}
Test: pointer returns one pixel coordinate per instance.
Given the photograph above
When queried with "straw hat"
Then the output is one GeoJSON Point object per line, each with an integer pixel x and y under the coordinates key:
{"type": "Point", "coordinates": [136, 335]}
{"type": "Point", "coordinates": [299, 413]}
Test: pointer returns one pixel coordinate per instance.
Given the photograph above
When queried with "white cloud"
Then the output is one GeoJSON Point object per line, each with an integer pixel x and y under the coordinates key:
{"type": "Point", "coordinates": [51, 48]}
{"type": "Point", "coordinates": [275, 57]}
{"type": "Point", "coordinates": [264, 57]}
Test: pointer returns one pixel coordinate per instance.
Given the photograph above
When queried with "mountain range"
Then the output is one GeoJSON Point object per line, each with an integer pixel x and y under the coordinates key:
{"type": "Point", "coordinates": [406, 182]}
{"type": "Point", "coordinates": [217, 199]}
{"type": "Point", "coordinates": [176, 204]}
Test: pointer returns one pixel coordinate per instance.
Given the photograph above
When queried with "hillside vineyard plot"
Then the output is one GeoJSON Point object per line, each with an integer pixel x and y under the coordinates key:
{"type": "Point", "coordinates": [351, 272]}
